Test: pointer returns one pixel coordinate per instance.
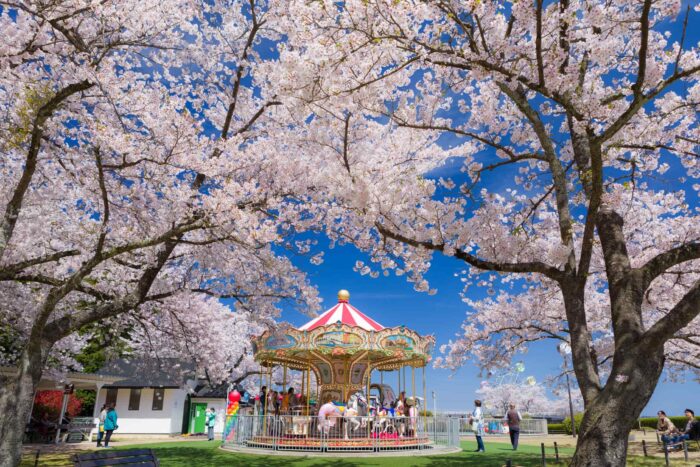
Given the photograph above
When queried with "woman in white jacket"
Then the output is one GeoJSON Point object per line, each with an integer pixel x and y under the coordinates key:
{"type": "Point", "coordinates": [101, 425]}
{"type": "Point", "coordinates": [476, 419]}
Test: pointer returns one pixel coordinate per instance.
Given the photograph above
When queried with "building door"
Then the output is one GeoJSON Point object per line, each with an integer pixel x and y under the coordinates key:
{"type": "Point", "coordinates": [198, 416]}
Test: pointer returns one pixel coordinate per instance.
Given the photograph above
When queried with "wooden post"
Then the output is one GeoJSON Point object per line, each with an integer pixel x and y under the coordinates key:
{"type": "Point", "coordinates": [644, 447]}
{"type": "Point", "coordinates": [38, 451]}
{"type": "Point", "coordinates": [544, 458]}
{"type": "Point", "coordinates": [685, 450]}
{"type": "Point", "coordinates": [666, 454]}
{"type": "Point", "coordinates": [556, 451]}
{"type": "Point", "coordinates": [509, 463]}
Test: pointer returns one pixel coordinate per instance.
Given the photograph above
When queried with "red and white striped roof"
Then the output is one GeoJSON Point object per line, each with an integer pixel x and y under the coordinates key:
{"type": "Point", "coordinates": [344, 313]}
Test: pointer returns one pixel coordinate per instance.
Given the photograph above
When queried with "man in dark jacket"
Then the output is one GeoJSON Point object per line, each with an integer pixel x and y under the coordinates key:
{"type": "Point", "coordinates": [513, 419]}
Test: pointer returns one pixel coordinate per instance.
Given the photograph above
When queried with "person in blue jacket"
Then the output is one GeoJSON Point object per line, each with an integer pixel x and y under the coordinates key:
{"type": "Point", "coordinates": [110, 423]}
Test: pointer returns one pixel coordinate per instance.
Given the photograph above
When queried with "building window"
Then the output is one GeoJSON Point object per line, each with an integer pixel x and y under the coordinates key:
{"type": "Point", "coordinates": [135, 399]}
{"type": "Point", "coordinates": [111, 398]}
{"type": "Point", "coordinates": [158, 395]}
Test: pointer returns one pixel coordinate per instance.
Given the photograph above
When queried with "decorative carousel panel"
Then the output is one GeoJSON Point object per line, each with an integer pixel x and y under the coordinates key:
{"type": "Point", "coordinates": [325, 372]}
{"type": "Point", "coordinates": [357, 373]}
{"type": "Point", "coordinates": [279, 341]}
{"type": "Point", "coordinates": [329, 341]}
{"type": "Point", "coordinates": [400, 342]}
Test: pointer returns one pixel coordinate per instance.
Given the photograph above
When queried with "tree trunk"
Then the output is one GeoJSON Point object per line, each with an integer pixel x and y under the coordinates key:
{"type": "Point", "coordinates": [16, 397]}
{"type": "Point", "coordinates": [609, 419]}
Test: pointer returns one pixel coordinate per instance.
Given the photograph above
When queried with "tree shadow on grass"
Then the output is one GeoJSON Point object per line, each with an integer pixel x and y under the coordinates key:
{"type": "Point", "coordinates": [489, 459]}
{"type": "Point", "coordinates": [185, 456]}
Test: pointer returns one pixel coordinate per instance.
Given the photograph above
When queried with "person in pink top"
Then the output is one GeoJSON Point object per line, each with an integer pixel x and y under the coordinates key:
{"type": "Point", "coordinates": [327, 415]}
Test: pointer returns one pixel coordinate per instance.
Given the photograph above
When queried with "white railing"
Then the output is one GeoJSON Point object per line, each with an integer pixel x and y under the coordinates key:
{"type": "Point", "coordinates": [497, 426]}
{"type": "Point", "coordinates": [310, 433]}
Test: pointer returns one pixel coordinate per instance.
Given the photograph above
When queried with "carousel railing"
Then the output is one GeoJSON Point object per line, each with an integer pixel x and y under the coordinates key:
{"type": "Point", "coordinates": [358, 433]}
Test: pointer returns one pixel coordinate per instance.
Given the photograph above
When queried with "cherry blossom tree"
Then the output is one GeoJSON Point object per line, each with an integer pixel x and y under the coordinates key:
{"type": "Point", "coordinates": [528, 398]}
{"type": "Point", "coordinates": [138, 187]}
{"type": "Point", "coordinates": [586, 106]}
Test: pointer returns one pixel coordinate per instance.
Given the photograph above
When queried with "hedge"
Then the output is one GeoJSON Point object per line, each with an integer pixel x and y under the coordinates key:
{"type": "Point", "coordinates": [646, 422]}
{"type": "Point", "coordinates": [652, 422]}
{"type": "Point", "coordinates": [555, 427]}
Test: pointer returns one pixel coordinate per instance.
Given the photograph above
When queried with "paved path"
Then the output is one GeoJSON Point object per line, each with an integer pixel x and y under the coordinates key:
{"type": "Point", "coordinates": [116, 441]}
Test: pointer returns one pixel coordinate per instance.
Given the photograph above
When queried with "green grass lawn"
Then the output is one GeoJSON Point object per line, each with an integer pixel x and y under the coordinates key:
{"type": "Point", "coordinates": [203, 453]}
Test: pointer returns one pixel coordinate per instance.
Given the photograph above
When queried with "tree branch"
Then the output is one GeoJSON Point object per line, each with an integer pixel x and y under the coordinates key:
{"type": "Point", "coordinates": [663, 261]}
{"type": "Point", "coordinates": [14, 206]}
{"type": "Point", "coordinates": [487, 265]}
{"type": "Point", "coordinates": [679, 317]}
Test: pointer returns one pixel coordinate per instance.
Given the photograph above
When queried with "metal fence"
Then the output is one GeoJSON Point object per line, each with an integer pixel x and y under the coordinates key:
{"type": "Point", "coordinates": [497, 426]}
{"type": "Point", "coordinates": [342, 434]}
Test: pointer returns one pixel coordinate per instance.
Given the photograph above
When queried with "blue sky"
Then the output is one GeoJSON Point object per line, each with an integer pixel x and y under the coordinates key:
{"type": "Point", "coordinates": [392, 301]}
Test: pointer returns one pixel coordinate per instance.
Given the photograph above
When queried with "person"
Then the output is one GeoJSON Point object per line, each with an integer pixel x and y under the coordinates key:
{"type": "Point", "coordinates": [690, 426]}
{"type": "Point", "coordinates": [275, 403]}
{"type": "Point", "coordinates": [287, 400]}
{"type": "Point", "coordinates": [665, 426]}
{"type": "Point", "coordinates": [263, 400]}
{"type": "Point", "coordinates": [413, 416]}
{"type": "Point", "coordinates": [210, 422]}
{"type": "Point", "coordinates": [327, 415]}
{"type": "Point", "coordinates": [476, 419]}
{"type": "Point", "coordinates": [513, 419]}
{"type": "Point", "coordinates": [110, 423]}
{"type": "Point", "coordinates": [101, 425]}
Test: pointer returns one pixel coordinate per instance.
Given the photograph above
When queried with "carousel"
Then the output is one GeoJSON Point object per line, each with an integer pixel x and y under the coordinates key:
{"type": "Point", "coordinates": [342, 349]}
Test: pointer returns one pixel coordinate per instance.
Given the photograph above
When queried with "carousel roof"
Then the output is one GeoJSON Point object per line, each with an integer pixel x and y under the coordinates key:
{"type": "Point", "coordinates": [343, 313]}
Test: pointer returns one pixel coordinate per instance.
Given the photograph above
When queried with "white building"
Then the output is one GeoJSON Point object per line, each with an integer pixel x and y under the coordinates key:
{"type": "Point", "coordinates": [163, 399]}
{"type": "Point", "coordinates": [154, 399]}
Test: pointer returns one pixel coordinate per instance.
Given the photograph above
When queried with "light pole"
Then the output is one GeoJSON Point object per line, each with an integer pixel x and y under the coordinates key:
{"type": "Point", "coordinates": [564, 349]}
{"type": "Point", "coordinates": [434, 404]}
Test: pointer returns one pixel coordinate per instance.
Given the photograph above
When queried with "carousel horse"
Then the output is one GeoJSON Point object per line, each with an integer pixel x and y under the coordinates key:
{"type": "Point", "coordinates": [356, 407]}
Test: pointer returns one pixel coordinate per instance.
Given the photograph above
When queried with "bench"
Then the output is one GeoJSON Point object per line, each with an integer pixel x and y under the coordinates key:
{"type": "Point", "coordinates": [140, 457]}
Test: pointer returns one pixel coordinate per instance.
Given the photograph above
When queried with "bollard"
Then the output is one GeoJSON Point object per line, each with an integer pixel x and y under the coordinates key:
{"type": "Point", "coordinates": [644, 448]}
{"type": "Point", "coordinates": [509, 463]}
{"type": "Point", "coordinates": [666, 454]}
{"type": "Point", "coordinates": [36, 459]}
{"type": "Point", "coordinates": [544, 458]}
{"type": "Point", "coordinates": [685, 450]}
{"type": "Point", "coordinates": [556, 451]}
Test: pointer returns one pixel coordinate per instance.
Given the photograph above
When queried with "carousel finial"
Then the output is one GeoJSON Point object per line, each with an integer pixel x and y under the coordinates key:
{"type": "Point", "coordinates": [343, 295]}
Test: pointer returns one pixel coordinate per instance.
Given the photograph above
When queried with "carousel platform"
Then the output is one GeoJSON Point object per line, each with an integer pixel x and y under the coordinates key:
{"type": "Point", "coordinates": [339, 444]}
{"type": "Point", "coordinates": [429, 449]}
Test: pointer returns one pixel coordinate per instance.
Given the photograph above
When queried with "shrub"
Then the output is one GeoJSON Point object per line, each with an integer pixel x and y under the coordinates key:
{"type": "Point", "coordinates": [50, 402]}
{"type": "Point", "coordinates": [577, 419]}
